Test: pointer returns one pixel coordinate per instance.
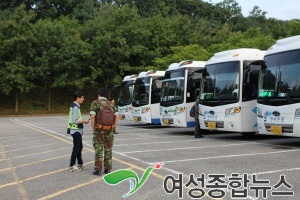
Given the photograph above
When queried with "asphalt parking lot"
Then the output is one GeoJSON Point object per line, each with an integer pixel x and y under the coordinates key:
{"type": "Point", "coordinates": [35, 153]}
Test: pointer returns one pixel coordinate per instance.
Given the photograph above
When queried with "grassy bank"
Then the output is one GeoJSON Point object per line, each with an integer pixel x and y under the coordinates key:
{"type": "Point", "coordinates": [36, 102]}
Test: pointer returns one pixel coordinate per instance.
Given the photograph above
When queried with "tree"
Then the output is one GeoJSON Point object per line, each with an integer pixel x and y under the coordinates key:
{"type": "Point", "coordinates": [257, 13]}
{"type": "Point", "coordinates": [47, 8]}
{"type": "Point", "coordinates": [123, 42]}
{"type": "Point", "coordinates": [250, 39]}
{"type": "Point", "coordinates": [12, 4]}
{"type": "Point", "coordinates": [180, 53]}
{"type": "Point", "coordinates": [106, 35]}
{"type": "Point", "coordinates": [60, 56]}
{"type": "Point", "coordinates": [228, 9]}
{"type": "Point", "coordinates": [16, 53]}
{"type": "Point", "coordinates": [294, 27]}
{"type": "Point", "coordinates": [84, 11]}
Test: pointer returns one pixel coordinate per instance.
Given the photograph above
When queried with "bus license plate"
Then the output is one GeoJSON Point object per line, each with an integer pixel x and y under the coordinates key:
{"type": "Point", "coordinates": [166, 121]}
{"type": "Point", "coordinates": [136, 119]}
{"type": "Point", "coordinates": [276, 130]}
{"type": "Point", "coordinates": [212, 125]}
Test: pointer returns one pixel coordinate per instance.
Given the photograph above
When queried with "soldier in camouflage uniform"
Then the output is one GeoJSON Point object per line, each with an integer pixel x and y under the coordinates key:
{"type": "Point", "coordinates": [102, 140]}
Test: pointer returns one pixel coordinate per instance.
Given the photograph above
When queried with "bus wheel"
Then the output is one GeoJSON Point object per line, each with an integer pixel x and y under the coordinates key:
{"type": "Point", "coordinates": [248, 134]}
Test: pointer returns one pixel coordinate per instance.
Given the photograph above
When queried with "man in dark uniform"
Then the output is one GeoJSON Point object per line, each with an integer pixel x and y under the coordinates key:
{"type": "Point", "coordinates": [197, 124]}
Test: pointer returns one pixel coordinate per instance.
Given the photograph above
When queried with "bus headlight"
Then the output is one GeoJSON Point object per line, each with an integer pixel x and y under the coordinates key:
{"type": "Point", "coordinates": [144, 110]}
{"type": "Point", "coordinates": [259, 112]}
{"type": "Point", "coordinates": [297, 113]}
{"type": "Point", "coordinates": [233, 111]}
{"type": "Point", "coordinates": [178, 110]}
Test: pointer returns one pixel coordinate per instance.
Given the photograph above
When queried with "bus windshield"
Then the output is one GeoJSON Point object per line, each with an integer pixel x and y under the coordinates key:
{"type": "Point", "coordinates": [141, 92]}
{"type": "Point", "coordinates": [125, 96]}
{"type": "Point", "coordinates": [280, 78]}
{"type": "Point", "coordinates": [173, 88]}
{"type": "Point", "coordinates": [221, 81]}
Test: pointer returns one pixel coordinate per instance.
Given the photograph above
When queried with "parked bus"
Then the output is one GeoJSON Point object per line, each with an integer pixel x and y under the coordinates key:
{"type": "Point", "coordinates": [146, 94]}
{"type": "Point", "coordinates": [278, 103]}
{"type": "Point", "coordinates": [179, 94]}
{"type": "Point", "coordinates": [229, 91]}
{"type": "Point", "coordinates": [125, 97]}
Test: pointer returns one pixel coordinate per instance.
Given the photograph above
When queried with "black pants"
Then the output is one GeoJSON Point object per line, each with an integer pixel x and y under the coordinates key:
{"type": "Point", "coordinates": [77, 149]}
{"type": "Point", "coordinates": [197, 127]}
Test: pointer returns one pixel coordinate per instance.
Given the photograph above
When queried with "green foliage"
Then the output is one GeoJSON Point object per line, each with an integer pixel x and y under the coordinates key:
{"type": "Point", "coordinates": [84, 11]}
{"type": "Point", "coordinates": [250, 39]}
{"type": "Point", "coordinates": [16, 41]}
{"type": "Point", "coordinates": [294, 27]}
{"type": "Point", "coordinates": [86, 44]}
{"type": "Point", "coordinates": [180, 53]}
{"type": "Point", "coordinates": [60, 54]}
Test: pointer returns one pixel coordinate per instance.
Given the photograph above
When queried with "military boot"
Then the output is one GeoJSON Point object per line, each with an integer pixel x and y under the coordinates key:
{"type": "Point", "coordinates": [97, 172]}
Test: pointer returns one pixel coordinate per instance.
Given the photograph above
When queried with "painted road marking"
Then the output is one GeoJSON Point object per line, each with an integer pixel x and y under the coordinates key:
{"type": "Point", "coordinates": [18, 182]}
{"type": "Point", "coordinates": [37, 162]}
{"type": "Point", "coordinates": [35, 177]}
{"type": "Point", "coordinates": [37, 153]}
{"type": "Point", "coordinates": [229, 156]}
{"type": "Point", "coordinates": [42, 145]}
{"type": "Point", "coordinates": [150, 143]}
{"type": "Point", "coordinates": [115, 159]}
{"type": "Point", "coordinates": [236, 155]}
{"type": "Point", "coordinates": [186, 148]}
{"type": "Point", "coordinates": [9, 145]}
{"type": "Point", "coordinates": [73, 188]}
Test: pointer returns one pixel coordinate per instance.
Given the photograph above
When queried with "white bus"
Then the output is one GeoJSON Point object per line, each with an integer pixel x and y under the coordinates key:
{"type": "Point", "coordinates": [278, 103]}
{"type": "Point", "coordinates": [146, 94]}
{"type": "Point", "coordinates": [228, 93]}
{"type": "Point", "coordinates": [179, 94]}
{"type": "Point", "coordinates": [125, 97]}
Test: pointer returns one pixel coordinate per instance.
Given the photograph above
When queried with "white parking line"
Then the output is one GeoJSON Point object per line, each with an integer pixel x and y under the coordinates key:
{"type": "Point", "coordinates": [115, 152]}
{"type": "Point", "coordinates": [16, 132]}
{"type": "Point", "coordinates": [174, 161]}
{"type": "Point", "coordinates": [228, 156]}
{"type": "Point", "coordinates": [143, 138]}
{"type": "Point", "coordinates": [260, 143]}
{"type": "Point", "coordinates": [276, 145]}
{"type": "Point", "coordinates": [202, 147]}
{"type": "Point", "coordinates": [62, 135]}
{"type": "Point", "coordinates": [148, 163]}
{"type": "Point", "coordinates": [150, 143]}
{"type": "Point", "coordinates": [65, 118]}
{"type": "Point", "coordinates": [134, 130]}
{"type": "Point", "coordinates": [276, 171]}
